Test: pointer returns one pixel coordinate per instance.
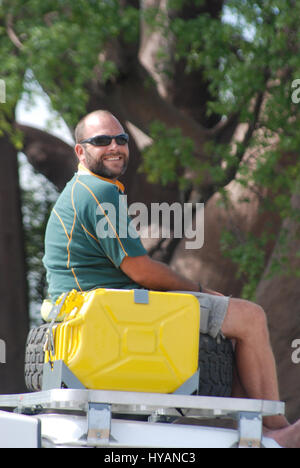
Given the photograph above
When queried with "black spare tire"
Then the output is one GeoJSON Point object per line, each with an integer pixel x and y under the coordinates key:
{"type": "Point", "coordinates": [215, 361]}
{"type": "Point", "coordinates": [35, 357]}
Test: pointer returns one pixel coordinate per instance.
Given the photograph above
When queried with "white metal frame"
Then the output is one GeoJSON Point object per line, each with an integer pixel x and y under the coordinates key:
{"type": "Point", "coordinates": [100, 425]}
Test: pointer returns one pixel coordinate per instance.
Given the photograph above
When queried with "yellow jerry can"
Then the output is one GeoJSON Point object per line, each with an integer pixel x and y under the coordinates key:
{"type": "Point", "coordinates": [143, 341]}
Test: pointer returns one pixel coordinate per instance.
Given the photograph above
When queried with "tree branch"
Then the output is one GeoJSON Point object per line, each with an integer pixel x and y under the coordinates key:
{"type": "Point", "coordinates": [11, 33]}
{"type": "Point", "coordinates": [231, 172]}
{"type": "Point", "coordinates": [223, 131]}
{"type": "Point", "coordinates": [49, 155]}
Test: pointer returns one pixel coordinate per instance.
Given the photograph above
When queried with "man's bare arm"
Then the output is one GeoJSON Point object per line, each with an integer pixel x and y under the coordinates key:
{"type": "Point", "coordinates": [156, 275]}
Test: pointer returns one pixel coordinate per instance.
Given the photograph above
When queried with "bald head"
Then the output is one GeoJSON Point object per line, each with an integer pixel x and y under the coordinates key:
{"type": "Point", "coordinates": [92, 120]}
{"type": "Point", "coordinates": [108, 161]}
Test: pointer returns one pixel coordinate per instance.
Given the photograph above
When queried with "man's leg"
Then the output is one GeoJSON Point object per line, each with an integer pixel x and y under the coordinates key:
{"type": "Point", "coordinates": [246, 323]}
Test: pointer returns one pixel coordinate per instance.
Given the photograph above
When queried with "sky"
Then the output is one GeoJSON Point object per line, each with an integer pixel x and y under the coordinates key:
{"type": "Point", "coordinates": [40, 115]}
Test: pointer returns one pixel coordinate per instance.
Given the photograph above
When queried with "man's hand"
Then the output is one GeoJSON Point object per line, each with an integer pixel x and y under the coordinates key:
{"type": "Point", "coordinates": [213, 293]}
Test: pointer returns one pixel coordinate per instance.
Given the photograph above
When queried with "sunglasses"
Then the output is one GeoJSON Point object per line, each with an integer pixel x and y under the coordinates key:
{"type": "Point", "coordinates": [105, 140]}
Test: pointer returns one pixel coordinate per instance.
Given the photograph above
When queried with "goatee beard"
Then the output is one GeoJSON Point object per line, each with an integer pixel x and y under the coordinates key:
{"type": "Point", "coordinates": [98, 167]}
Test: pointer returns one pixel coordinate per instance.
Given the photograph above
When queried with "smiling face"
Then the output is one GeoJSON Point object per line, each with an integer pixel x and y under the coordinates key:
{"type": "Point", "coordinates": [106, 161]}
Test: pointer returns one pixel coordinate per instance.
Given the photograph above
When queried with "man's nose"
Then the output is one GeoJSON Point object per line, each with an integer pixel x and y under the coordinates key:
{"type": "Point", "coordinates": [114, 145]}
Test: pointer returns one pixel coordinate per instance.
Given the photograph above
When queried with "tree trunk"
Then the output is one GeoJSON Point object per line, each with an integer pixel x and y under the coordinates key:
{"type": "Point", "coordinates": [14, 317]}
{"type": "Point", "coordinates": [208, 264]}
{"type": "Point", "coordinates": [280, 297]}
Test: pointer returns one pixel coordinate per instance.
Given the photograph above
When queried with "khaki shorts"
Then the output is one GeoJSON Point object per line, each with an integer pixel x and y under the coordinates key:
{"type": "Point", "coordinates": [213, 312]}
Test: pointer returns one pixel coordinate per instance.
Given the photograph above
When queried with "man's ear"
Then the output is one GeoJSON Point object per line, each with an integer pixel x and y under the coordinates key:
{"type": "Point", "coordinates": [80, 153]}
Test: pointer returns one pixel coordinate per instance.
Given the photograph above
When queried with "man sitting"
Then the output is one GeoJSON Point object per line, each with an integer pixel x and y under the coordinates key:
{"type": "Point", "coordinates": [78, 257]}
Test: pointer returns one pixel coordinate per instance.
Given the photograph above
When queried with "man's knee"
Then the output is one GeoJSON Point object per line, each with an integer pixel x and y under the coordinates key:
{"type": "Point", "coordinates": [244, 319]}
{"type": "Point", "coordinates": [257, 319]}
